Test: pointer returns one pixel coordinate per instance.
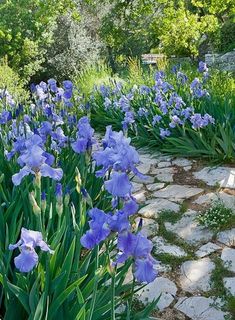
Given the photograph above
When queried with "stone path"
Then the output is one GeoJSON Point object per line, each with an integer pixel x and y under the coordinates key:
{"type": "Point", "coordinates": [179, 189]}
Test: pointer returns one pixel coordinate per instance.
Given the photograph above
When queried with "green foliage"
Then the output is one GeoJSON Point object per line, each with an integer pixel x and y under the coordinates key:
{"type": "Point", "coordinates": [181, 30]}
{"type": "Point", "coordinates": [217, 217]}
{"type": "Point", "coordinates": [127, 29]}
{"type": "Point", "coordinates": [11, 81]}
{"type": "Point", "coordinates": [218, 274]}
{"type": "Point", "coordinates": [227, 36]}
{"type": "Point", "coordinates": [91, 75]}
{"type": "Point", "coordinates": [216, 142]}
{"type": "Point", "coordinates": [26, 31]}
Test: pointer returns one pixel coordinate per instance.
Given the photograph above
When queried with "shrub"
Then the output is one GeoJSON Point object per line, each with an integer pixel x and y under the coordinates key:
{"type": "Point", "coordinates": [11, 81]}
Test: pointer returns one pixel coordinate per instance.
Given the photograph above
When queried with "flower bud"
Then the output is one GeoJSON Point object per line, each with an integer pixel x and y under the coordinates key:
{"type": "Point", "coordinates": [36, 208]}
{"type": "Point", "coordinates": [78, 180]}
{"type": "Point", "coordinates": [43, 202]}
{"type": "Point", "coordinates": [59, 199]}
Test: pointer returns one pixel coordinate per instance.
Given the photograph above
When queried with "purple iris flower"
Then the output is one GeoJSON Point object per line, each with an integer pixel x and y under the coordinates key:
{"type": "Point", "coordinates": [58, 190]}
{"type": "Point", "coordinates": [142, 112]}
{"type": "Point", "coordinates": [119, 222]}
{"type": "Point", "coordinates": [139, 248]}
{"type": "Point", "coordinates": [187, 112]}
{"type": "Point", "coordinates": [119, 185]}
{"type": "Point", "coordinates": [164, 133]}
{"type": "Point", "coordinates": [28, 257]}
{"type": "Point", "coordinates": [33, 160]}
{"type": "Point", "coordinates": [68, 89]}
{"type": "Point", "coordinates": [52, 85]}
{"type": "Point", "coordinates": [104, 90]}
{"type": "Point", "coordinates": [85, 139]}
{"type": "Point", "coordinates": [59, 136]}
{"type": "Point", "coordinates": [130, 206]}
{"type": "Point", "coordinates": [199, 121]}
{"type": "Point", "coordinates": [175, 120]}
{"type": "Point", "coordinates": [124, 103]}
{"type": "Point", "coordinates": [128, 119]}
{"type": "Point", "coordinates": [145, 89]}
{"type": "Point", "coordinates": [107, 103]}
{"type": "Point", "coordinates": [117, 153]}
{"type": "Point", "coordinates": [99, 229]}
{"type": "Point", "coordinates": [202, 67]}
{"type": "Point", "coordinates": [144, 270]}
{"type": "Point", "coordinates": [181, 77]}
{"type": "Point", "coordinates": [197, 89]}
{"type": "Point", "coordinates": [45, 129]}
{"type": "Point", "coordinates": [163, 107]}
{"type": "Point", "coordinates": [159, 75]}
{"type": "Point", "coordinates": [5, 116]}
{"type": "Point", "coordinates": [156, 119]}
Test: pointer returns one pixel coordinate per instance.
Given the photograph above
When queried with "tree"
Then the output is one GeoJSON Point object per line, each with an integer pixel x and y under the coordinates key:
{"type": "Point", "coordinates": [127, 28]}
{"type": "Point", "coordinates": [181, 30]}
{"type": "Point", "coordinates": [26, 28]}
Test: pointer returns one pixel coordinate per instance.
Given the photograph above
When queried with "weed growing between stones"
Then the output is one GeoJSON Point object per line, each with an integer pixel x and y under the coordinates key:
{"type": "Point", "coordinates": [217, 217]}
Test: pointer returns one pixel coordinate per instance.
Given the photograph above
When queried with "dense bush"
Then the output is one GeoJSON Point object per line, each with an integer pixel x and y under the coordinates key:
{"type": "Point", "coordinates": [26, 30]}
{"type": "Point", "coordinates": [10, 81]}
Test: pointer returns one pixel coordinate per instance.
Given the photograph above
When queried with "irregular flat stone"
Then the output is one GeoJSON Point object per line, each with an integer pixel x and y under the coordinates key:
{"type": "Point", "coordinates": [207, 249]}
{"type": "Point", "coordinates": [160, 286]}
{"type": "Point", "coordinates": [223, 176]}
{"type": "Point", "coordinates": [182, 162]}
{"type": "Point", "coordinates": [140, 196]}
{"type": "Point", "coordinates": [161, 246]}
{"type": "Point", "coordinates": [164, 164]}
{"type": "Point", "coordinates": [175, 192]}
{"type": "Point", "coordinates": [149, 226]}
{"type": "Point", "coordinates": [129, 276]}
{"type": "Point", "coordinates": [146, 158]}
{"type": "Point", "coordinates": [144, 167]}
{"type": "Point", "coordinates": [229, 284]}
{"type": "Point", "coordinates": [164, 174]}
{"type": "Point", "coordinates": [120, 309]}
{"type": "Point", "coordinates": [206, 198]}
{"type": "Point", "coordinates": [155, 186]}
{"type": "Point", "coordinates": [155, 206]}
{"type": "Point", "coordinates": [227, 237]}
{"type": "Point", "coordinates": [199, 308]}
{"type": "Point", "coordinates": [195, 275]}
{"type": "Point", "coordinates": [227, 199]}
{"type": "Point", "coordinates": [189, 230]}
{"type": "Point", "coordinates": [146, 180]}
{"type": "Point", "coordinates": [137, 186]}
{"type": "Point", "coordinates": [228, 256]}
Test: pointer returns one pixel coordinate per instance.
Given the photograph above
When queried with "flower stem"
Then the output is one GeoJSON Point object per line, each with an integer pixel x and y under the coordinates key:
{"type": "Point", "coordinates": [95, 283]}
{"type": "Point", "coordinates": [113, 297]}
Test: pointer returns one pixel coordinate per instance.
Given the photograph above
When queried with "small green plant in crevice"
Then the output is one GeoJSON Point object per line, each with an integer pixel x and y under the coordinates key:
{"type": "Point", "coordinates": [217, 217]}
{"type": "Point", "coordinates": [172, 238]}
{"type": "Point", "coordinates": [171, 260]}
{"type": "Point", "coordinates": [218, 274]}
{"type": "Point", "coordinates": [183, 207]}
{"type": "Point", "coordinates": [231, 306]}
{"type": "Point", "coordinates": [169, 216]}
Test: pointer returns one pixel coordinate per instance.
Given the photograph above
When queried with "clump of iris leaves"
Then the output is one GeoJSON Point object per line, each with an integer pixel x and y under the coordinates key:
{"type": "Point", "coordinates": [67, 237]}
{"type": "Point", "coordinates": [179, 111]}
